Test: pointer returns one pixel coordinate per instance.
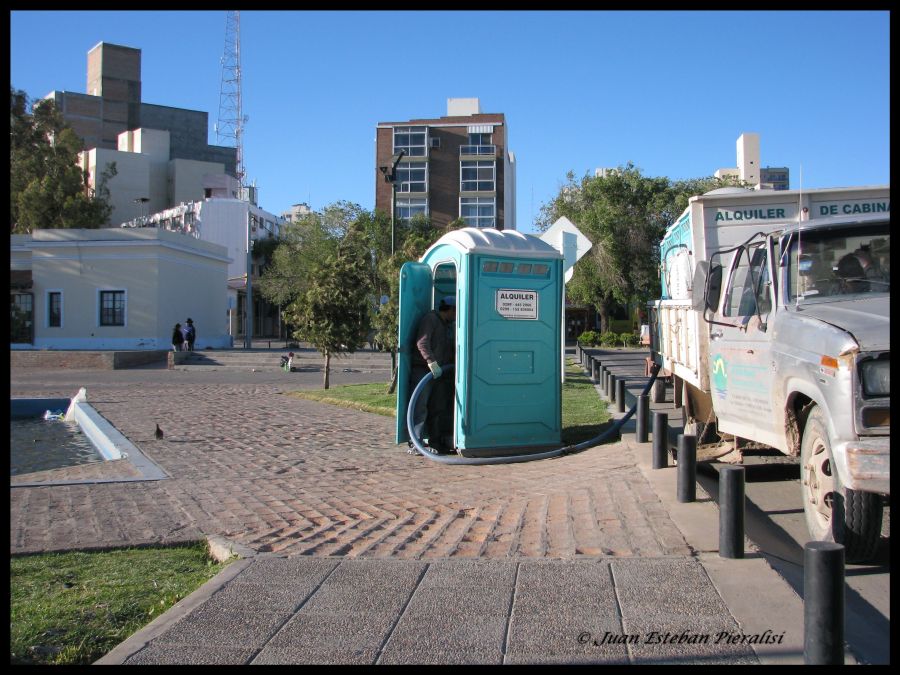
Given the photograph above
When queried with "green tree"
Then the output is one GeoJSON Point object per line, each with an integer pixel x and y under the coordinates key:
{"type": "Point", "coordinates": [321, 274]}
{"type": "Point", "coordinates": [414, 237]}
{"type": "Point", "coordinates": [301, 245]}
{"type": "Point", "coordinates": [304, 245]}
{"type": "Point", "coordinates": [625, 215]}
{"type": "Point", "coordinates": [47, 187]}
{"type": "Point", "coordinates": [333, 312]}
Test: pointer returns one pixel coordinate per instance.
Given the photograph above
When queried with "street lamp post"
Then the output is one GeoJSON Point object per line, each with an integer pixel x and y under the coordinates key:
{"type": "Point", "coordinates": [390, 176]}
{"type": "Point", "coordinates": [248, 333]}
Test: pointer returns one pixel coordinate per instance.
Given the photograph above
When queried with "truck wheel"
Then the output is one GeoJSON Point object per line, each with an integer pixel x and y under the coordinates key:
{"type": "Point", "coordinates": [834, 513]}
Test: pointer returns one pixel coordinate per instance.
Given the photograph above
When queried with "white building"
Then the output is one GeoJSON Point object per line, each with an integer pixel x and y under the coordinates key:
{"type": "Point", "coordinates": [227, 222]}
{"type": "Point", "coordinates": [296, 212]}
{"type": "Point", "coordinates": [116, 289]}
{"type": "Point", "coordinates": [750, 170]}
{"type": "Point", "coordinates": [147, 180]}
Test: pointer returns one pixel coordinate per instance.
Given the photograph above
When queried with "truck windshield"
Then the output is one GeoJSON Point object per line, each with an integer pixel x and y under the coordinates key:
{"type": "Point", "coordinates": [840, 262]}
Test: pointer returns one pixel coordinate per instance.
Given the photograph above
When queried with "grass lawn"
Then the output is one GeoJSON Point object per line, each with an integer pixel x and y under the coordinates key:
{"type": "Point", "coordinates": [584, 413]}
{"type": "Point", "coordinates": [74, 607]}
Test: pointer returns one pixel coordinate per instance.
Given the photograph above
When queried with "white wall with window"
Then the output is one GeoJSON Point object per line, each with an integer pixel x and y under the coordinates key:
{"type": "Point", "coordinates": [54, 315]}
{"type": "Point", "coordinates": [122, 288]}
{"type": "Point", "coordinates": [111, 307]}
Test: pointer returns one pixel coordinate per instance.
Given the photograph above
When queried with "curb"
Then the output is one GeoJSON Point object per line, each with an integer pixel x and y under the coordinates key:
{"type": "Point", "coordinates": [132, 645]}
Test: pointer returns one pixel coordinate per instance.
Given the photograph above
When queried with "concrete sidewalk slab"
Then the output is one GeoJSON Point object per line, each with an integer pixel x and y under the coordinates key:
{"type": "Point", "coordinates": [452, 612]}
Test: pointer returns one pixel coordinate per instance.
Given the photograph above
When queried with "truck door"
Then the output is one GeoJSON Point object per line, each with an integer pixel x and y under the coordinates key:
{"type": "Point", "coordinates": [415, 301]}
{"type": "Point", "coordinates": [741, 366]}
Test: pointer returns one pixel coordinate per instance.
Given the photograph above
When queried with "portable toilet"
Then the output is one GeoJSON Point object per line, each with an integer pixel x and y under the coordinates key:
{"type": "Point", "coordinates": [508, 288]}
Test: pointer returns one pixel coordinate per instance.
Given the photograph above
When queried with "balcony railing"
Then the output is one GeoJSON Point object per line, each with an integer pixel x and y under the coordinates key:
{"type": "Point", "coordinates": [478, 150]}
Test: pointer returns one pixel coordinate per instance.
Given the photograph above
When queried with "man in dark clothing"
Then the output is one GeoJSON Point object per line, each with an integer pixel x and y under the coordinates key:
{"type": "Point", "coordinates": [190, 335]}
{"type": "Point", "coordinates": [435, 346]}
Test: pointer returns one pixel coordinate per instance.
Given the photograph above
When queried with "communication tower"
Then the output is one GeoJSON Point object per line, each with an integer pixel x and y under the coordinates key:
{"type": "Point", "coordinates": [230, 124]}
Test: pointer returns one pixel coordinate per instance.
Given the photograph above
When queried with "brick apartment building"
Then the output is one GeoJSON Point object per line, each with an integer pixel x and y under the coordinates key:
{"type": "Point", "coordinates": [458, 166]}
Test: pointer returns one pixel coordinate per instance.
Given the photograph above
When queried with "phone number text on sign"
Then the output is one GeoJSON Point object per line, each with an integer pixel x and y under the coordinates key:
{"type": "Point", "coordinates": [517, 304]}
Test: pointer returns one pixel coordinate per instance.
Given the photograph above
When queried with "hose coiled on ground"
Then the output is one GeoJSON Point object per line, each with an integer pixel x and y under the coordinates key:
{"type": "Point", "coordinates": [512, 459]}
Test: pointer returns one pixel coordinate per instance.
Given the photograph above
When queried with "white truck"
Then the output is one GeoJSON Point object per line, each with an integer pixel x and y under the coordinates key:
{"type": "Point", "coordinates": [774, 325]}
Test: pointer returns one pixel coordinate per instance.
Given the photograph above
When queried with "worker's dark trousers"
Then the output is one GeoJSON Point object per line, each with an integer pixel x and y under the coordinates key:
{"type": "Point", "coordinates": [433, 414]}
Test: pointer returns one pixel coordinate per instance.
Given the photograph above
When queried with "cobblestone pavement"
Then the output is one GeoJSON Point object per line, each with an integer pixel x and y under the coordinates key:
{"type": "Point", "coordinates": [280, 474]}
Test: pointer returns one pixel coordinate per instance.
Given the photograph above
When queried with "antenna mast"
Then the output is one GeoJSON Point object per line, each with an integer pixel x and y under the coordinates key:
{"type": "Point", "coordinates": [230, 124]}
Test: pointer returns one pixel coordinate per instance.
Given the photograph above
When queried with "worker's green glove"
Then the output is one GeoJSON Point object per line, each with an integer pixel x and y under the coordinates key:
{"type": "Point", "coordinates": [435, 369]}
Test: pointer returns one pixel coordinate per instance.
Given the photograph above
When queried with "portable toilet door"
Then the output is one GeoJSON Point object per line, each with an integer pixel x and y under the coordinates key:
{"type": "Point", "coordinates": [508, 290]}
{"type": "Point", "coordinates": [421, 290]}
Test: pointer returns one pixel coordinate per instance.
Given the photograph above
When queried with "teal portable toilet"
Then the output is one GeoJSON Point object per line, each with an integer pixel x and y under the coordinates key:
{"type": "Point", "coordinates": [508, 288]}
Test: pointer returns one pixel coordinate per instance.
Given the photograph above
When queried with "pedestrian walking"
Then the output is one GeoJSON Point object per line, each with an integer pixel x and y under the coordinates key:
{"type": "Point", "coordinates": [177, 338]}
{"type": "Point", "coordinates": [189, 333]}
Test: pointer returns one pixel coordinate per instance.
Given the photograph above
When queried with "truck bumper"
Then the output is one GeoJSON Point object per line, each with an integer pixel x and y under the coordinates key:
{"type": "Point", "coordinates": [868, 464]}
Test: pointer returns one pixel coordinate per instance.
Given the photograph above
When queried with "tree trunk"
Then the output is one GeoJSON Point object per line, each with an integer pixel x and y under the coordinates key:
{"type": "Point", "coordinates": [604, 318]}
{"type": "Point", "coordinates": [394, 371]}
{"type": "Point", "coordinates": [327, 368]}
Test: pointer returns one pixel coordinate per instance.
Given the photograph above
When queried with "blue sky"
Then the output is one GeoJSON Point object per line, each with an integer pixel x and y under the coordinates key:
{"type": "Point", "coordinates": [669, 91]}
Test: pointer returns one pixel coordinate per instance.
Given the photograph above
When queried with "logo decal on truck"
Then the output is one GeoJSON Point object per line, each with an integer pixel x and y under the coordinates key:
{"type": "Point", "coordinates": [720, 377]}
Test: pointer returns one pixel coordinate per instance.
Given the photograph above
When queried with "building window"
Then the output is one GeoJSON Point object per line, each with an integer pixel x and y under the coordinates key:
{"type": "Point", "coordinates": [54, 309]}
{"type": "Point", "coordinates": [479, 144]}
{"type": "Point", "coordinates": [407, 207]}
{"type": "Point", "coordinates": [478, 211]}
{"type": "Point", "coordinates": [476, 176]}
{"type": "Point", "coordinates": [412, 177]}
{"type": "Point", "coordinates": [21, 316]}
{"type": "Point", "coordinates": [411, 139]}
{"type": "Point", "coordinates": [112, 308]}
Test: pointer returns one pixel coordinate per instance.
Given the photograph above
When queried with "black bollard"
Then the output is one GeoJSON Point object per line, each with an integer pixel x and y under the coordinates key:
{"type": "Point", "coordinates": [687, 468]}
{"type": "Point", "coordinates": [642, 415]}
{"type": "Point", "coordinates": [595, 372]}
{"type": "Point", "coordinates": [620, 395]}
{"type": "Point", "coordinates": [604, 381]}
{"type": "Point", "coordinates": [590, 366]}
{"type": "Point", "coordinates": [611, 388]}
{"type": "Point", "coordinates": [658, 390]}
{"type": "Point", "coordinates": [731, 512]}
{"type": "Point", "coordinates": [660, 439]}
{"type": "Point", "coordinates": [823, 603]}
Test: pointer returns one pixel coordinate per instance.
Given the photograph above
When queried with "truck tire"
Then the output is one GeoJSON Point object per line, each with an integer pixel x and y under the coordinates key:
{"type": "Point", "coordinates": [834, 513]}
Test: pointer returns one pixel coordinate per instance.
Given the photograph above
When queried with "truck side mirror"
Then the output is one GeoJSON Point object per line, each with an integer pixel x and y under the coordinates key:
{"type": "Point", "coordinates": [713, 287]}
{"type": "Point", "coordinates": [698, 285]}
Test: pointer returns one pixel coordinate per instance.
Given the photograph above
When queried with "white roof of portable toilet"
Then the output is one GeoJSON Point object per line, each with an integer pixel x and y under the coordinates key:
{"type": "Point", "coordinates": [496, 242]}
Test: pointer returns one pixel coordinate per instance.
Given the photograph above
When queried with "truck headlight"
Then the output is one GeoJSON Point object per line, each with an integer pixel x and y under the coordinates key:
{"type": "Point", "coordinates": [876, 377]}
